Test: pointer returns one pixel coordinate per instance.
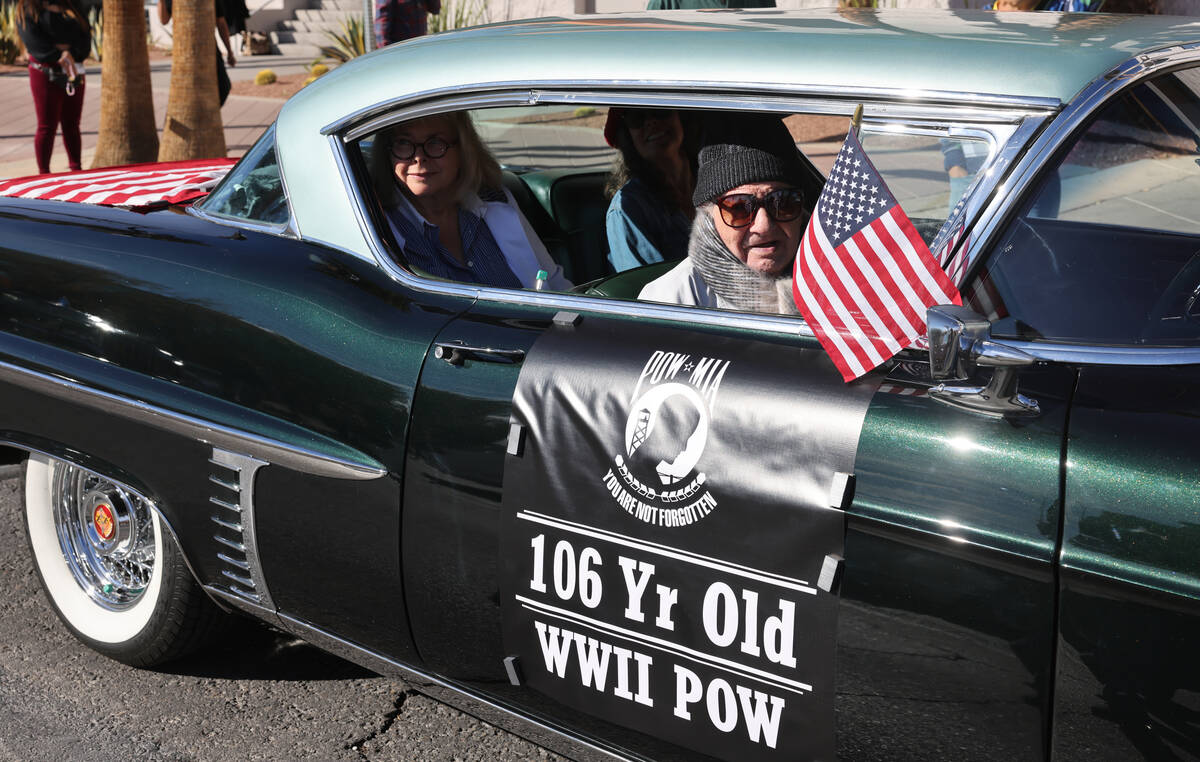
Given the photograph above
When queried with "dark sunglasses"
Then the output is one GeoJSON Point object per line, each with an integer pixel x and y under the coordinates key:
{"type": "Point", "coordinates": [783, 205]}
{"type": "Point", "coordinates": [636, 117]}
{"type": "Point", "coordinates": [433, 148]}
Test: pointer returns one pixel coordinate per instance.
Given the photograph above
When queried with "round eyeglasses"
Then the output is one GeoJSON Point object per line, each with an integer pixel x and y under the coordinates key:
{"type": "Point", "coordinates": [433, 148]}
{"type": "Point", "coordinates": [783, 205]}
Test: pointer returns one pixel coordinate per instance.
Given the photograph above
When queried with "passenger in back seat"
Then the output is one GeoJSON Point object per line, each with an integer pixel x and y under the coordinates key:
{"type": "Point", "coordinates": [446, 204]}
{"type": "Point", "coordinates": [650, 215]}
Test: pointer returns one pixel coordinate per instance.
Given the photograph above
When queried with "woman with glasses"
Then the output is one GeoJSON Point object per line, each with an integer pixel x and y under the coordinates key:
{"type": "Point", "coordinates": [449, 212]}
{"type": "Point", "coordinates": [650, 215]}
{"type": "Point", "coordinates": [750, 215]}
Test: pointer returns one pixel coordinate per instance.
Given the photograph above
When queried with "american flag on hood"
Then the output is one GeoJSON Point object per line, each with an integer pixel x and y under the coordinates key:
{"type": "Point", "coordinates": [133, 185]}
{"type": "Point", "coordinates": [863, 275]}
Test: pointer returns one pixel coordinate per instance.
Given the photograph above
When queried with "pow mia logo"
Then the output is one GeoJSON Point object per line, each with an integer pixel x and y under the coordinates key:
{"type": "Point", "coordinates": [656, 478]}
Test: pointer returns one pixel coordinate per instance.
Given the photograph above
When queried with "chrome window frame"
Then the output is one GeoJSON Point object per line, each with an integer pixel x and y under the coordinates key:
{"type": "Point", "coordinates": [1006, 197]}
{"type": "Point", "coordinates": [287, 229]}
{"type": "Point", "coordinates": [1000, 117]}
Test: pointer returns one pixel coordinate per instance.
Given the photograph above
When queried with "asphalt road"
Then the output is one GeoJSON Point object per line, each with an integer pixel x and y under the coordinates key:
{"type": "Point", "coordinates": [266, 697]}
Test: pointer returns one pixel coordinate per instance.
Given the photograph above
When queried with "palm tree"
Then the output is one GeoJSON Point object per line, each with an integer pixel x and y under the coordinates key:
{"type": "Point", "coordinates": [193, 128]}
{"type": "Point", "coordinates": [127, 130]}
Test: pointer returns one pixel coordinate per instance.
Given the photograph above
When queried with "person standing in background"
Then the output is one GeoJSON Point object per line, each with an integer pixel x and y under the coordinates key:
{"type": "Point", "coordinates": [397, 20]}
{"type": "Point", "coordinates": [223, 83]}
{"type": "Point", "coordinates": [58, 39]}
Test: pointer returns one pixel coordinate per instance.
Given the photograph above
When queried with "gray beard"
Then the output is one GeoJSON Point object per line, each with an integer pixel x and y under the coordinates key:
{"type": "Point", "coordinates": [737, 286]}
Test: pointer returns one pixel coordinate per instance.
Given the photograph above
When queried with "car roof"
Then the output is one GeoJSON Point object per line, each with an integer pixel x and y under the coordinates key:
{"type": "Point", "coordinates": [1039, 58]}
{"type": "Point", "coordinates": [1024, 55]}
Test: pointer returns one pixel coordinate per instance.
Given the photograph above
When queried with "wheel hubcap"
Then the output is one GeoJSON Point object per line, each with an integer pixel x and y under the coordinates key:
{"type": "Point", "coordinates": [107, 536]}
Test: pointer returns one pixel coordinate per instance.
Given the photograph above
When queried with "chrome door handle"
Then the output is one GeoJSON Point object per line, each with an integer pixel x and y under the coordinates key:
{"type": "Point", "coordinates": [456, 354]}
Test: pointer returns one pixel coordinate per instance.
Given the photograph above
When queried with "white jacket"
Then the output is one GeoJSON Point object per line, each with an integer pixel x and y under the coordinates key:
{"type": "Point", "coordinates": [682, 284]}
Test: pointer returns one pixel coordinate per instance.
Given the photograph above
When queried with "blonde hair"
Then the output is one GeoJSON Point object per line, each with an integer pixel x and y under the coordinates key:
{"type": "Point", "coordinates": [478, 169]}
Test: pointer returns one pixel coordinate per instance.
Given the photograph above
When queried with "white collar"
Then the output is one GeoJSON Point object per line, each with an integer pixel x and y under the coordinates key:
{"type": "Point", "coordinates": [472, 203]}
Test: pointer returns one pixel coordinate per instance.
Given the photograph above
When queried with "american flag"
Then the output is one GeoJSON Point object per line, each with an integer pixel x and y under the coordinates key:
{"type": "Point", "coordinates": [863, 275]}
{"type": "Point", "coordinates": [133, 185]}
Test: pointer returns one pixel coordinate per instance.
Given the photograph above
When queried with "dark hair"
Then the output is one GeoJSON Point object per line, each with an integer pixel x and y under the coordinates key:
{"type": "Point", "coordinates": [630, 164]}
{"type": "Point", "coordinates": [28, 12]}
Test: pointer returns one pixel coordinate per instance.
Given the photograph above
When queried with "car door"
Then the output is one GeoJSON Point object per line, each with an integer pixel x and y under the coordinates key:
{"type": "Point", "coordinates": [945, 524]}
{"type": "Point", "coordinates": [1100, 268]}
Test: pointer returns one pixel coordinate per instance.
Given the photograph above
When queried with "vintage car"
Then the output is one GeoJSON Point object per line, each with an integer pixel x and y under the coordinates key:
{"type": "Point", "coordinates": [639, 530]}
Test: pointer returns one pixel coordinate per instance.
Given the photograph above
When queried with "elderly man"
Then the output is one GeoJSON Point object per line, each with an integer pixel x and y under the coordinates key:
{"type": "Point", "coordinates": [750, 215]}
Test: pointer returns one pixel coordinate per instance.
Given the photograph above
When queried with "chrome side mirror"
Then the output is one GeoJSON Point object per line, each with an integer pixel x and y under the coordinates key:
{"type": "Point", "coordinates": [952, 332]}
{"type": "Point", "coordinates": [960, 342]}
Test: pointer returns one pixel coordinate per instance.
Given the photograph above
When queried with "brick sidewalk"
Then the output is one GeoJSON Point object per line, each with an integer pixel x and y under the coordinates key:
{"type": "Point", "coordinates": [244, 118]}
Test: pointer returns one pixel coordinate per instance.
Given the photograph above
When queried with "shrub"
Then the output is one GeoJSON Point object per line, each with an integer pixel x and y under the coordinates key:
{"type": "Point", "coordinates": [350, 42]}
{"type": "Point", "coordinates": [311, 79]}
{"type": "Point", "coordinates": [583, 111]}
{"type": "Point", "coordinates": [96, 21]}
{"type": "Point", "coordinates": [318, 69]}
{"type": "Point", "coordinates": [264, 77]}
{"type": "Point", "coordinates": [10, 42]}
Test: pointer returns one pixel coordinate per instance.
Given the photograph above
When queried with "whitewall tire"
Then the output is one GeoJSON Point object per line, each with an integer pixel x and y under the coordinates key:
{"type": "Point", "coordinates": [109, 567]}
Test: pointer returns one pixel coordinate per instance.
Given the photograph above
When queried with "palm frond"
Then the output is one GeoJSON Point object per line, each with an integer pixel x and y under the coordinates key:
{"type": "Point", "coordinates": [348, 42]}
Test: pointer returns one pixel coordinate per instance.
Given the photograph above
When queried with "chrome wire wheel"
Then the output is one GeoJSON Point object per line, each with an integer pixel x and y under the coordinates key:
{"type": "Point", "coordinates": [107, 535]}
{"type": "Point", "coordinates": [110, 567]}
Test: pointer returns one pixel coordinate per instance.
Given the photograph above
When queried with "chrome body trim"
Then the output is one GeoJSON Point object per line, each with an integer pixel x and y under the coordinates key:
{"type": "Point", "coordinates": [270, 450]}
{"type": "Point", "coordinates": [244, 468]}
{"type": "Point", "coordinates": [238, 546]}
{"type": "Point", "coordinates": [221, 482]}
{"type": "Point", "coordinates": [541, 732]}
{"type": "Point", "coordinates": [1080, 354]}
{"type": "Point", "coordinates": [243, 581]}
{"type": "Point", "coordinates": [357, 202]}
{"type": "Point", "coordinates": [611, 92]}
{"type": "Point", "coordinates": [243, 565]}
{"type": "Point", "coordinates": [228, 599]}
{"type": "Point", "coordinates": [231, 526]}
{"type": "Point", "coordinates": [286, 230]}
{"type": "Point", "coordinates": [1007, 195]}
{"type": "Point", "coordinates": [222, 503]}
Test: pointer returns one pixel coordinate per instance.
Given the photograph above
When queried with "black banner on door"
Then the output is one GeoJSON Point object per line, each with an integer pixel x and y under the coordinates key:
{"type": "Point", "coordinates": [665, 524]}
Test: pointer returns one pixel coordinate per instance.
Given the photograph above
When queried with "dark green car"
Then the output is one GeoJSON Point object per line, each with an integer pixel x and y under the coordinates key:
{"type": "Point", "coordinates": [640, 530]}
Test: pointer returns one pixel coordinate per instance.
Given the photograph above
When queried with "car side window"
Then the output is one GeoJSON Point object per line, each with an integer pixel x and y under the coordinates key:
{"type": "Point", "coordinates": [559, 168]}
{"type": "Point", "coordinates": [552, 166]}
{"type": "Point", "coordinates": [1107, 250]}
{"type": "Point", "coordinates": [927, 175]}
{"type": "Point", "coordinates": [253, 190]}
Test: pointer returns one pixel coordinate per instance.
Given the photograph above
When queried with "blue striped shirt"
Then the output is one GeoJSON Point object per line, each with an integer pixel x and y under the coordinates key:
{"type": "Point", "coordinates": [484, 262]}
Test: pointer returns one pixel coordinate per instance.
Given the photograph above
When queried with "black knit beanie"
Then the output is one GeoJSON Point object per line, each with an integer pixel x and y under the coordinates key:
{"type": "Point", "coordinates": [744, 148]}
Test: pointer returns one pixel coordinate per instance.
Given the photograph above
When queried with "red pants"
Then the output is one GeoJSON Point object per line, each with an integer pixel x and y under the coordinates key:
{"type": "Point", "coordinates": [54, 107]}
